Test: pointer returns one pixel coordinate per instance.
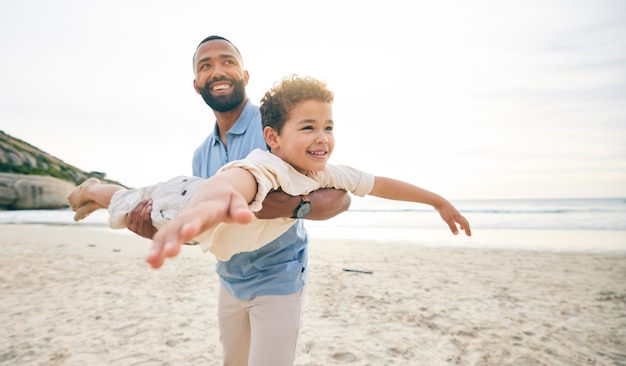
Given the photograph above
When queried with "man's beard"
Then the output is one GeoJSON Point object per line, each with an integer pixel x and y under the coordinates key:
{"type": "Point", "coordinates": [224, 103]}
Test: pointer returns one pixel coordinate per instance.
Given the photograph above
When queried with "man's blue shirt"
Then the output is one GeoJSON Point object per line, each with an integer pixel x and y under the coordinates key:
{"type": "Point", "coordinates": [278, 268]}
{"type": "Point", "coordinates": [245, 135]}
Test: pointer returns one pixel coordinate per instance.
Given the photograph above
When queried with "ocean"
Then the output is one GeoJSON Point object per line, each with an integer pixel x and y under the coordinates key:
{"type": "Point", "coordinates": [556, 214]}
{"type": "Point", "coordinates": [542, 224]}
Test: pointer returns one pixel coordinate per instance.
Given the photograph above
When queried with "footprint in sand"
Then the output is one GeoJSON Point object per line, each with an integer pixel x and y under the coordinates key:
{"type": "Point", "coordinates": [344, 356]}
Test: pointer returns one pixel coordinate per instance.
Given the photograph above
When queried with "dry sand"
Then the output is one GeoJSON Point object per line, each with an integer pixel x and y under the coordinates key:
{"type": "Point", "coordinates": [83, 296]}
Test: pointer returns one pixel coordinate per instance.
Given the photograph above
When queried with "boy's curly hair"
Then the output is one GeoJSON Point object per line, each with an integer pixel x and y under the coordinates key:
{"type": "Point", "coordinates": [278, 102]}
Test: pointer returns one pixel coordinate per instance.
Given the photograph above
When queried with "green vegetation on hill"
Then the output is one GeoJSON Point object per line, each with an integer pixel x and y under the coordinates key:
{"type": "Point", "coordinates": [20, 157]}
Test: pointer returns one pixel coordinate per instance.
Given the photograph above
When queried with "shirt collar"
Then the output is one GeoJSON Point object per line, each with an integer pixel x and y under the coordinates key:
{"type": "Point", "coordinates": [242, 123]}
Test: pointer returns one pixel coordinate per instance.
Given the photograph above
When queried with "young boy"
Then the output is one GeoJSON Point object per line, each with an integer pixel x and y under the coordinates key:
{"type": "Point", "coordinates": [298, 130]}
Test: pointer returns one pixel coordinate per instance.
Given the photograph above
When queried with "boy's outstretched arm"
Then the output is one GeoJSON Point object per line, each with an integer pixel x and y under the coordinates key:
{"type": "Point", "coordinates": [394, 189]}
{"type": "Point", "coordinates": [222, 198]}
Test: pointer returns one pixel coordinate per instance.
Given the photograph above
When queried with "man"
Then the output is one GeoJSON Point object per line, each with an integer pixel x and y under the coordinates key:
{"type": "Point", "coordinates": [261, 295]}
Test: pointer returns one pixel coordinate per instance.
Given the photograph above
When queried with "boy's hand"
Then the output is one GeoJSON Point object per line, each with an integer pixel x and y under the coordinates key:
{"type": "Point", "coordinates": [452, 217]}
{"type": "Point", "coordinates": [195, 220]}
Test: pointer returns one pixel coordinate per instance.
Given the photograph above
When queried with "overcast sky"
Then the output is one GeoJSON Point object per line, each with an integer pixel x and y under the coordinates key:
{"type": "Point", "coordinates": [471, 99]}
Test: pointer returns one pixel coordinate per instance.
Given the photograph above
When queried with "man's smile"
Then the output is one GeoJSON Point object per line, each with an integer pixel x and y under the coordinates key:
{"type": "Point", "coordinates": [219, 86]}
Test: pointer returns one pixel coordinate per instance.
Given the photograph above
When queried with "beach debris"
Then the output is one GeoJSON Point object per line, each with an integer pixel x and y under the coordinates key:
{"type": "Point", "coordinates": [357, 271]}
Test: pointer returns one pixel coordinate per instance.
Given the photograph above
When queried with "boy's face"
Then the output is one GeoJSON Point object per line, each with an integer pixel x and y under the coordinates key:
{"type": "Point", "coordinates": [306, 140]}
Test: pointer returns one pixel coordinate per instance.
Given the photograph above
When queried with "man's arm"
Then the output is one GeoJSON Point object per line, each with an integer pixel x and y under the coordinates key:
{"type": "Point", "coordinates": [325, 204]}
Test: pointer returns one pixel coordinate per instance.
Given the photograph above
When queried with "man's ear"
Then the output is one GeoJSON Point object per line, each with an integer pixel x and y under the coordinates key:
{"type": "Point", "coordinates": [271, 137]}
{"type": "Point", "coordinates": [195, 86]}
{"type": "Point", "coordinates": [246, 77]}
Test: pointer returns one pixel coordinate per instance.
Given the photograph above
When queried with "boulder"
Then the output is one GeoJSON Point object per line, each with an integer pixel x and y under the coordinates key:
{"type": "Point", "coordinates": [31, 179]}
{"type": "Point", "coordinates": [33, 192]}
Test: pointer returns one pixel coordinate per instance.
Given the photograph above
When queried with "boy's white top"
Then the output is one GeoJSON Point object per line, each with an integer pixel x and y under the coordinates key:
{"type": "Point", "coordinates": [272, 173]}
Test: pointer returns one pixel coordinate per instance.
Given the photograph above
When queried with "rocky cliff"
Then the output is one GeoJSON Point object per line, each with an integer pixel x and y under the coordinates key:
{"type": "Point", "coordinates": [33, 179]}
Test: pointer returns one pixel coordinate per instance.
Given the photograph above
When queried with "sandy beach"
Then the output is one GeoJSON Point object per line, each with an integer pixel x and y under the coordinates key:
{"type": "Point", "coordinates": [75, 295]}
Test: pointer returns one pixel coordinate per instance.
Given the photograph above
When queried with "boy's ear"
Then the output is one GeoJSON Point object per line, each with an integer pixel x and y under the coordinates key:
{"type": "Point", "coordinates": [271, 137]}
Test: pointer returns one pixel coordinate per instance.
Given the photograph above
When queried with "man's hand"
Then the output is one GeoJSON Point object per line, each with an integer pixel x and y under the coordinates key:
{"type": "Point", "coordinates": [139, 221]}
{"type": "Point", "coordinates": [326, 203]}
